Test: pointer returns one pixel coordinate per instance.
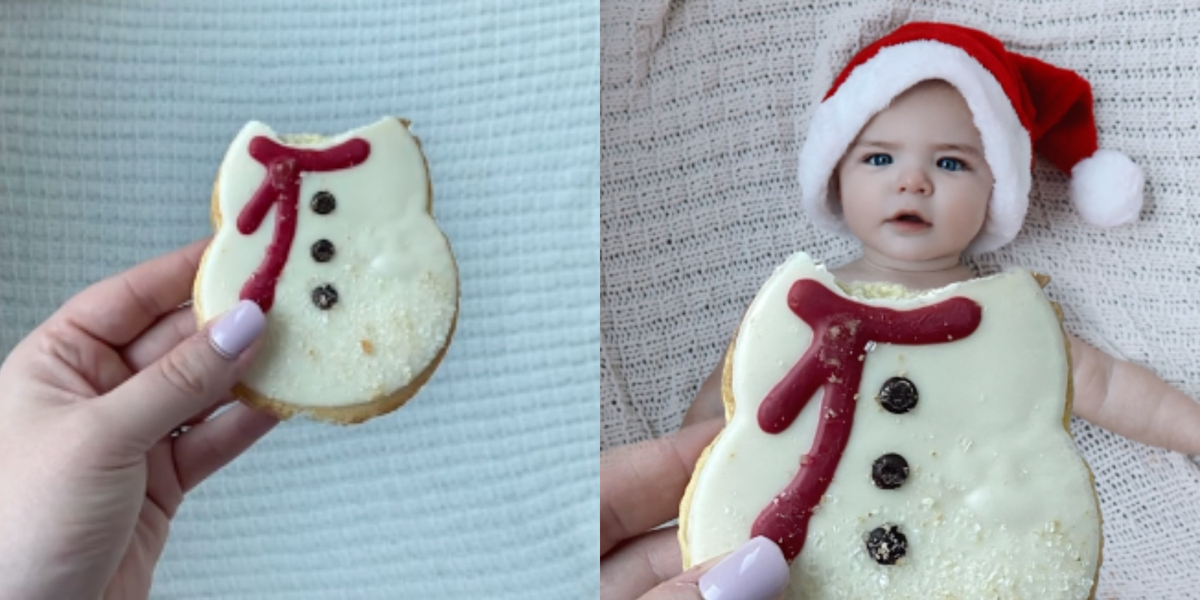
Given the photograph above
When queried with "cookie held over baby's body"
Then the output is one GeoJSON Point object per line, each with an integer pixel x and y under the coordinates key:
{"type": "Point", "coordinates": [900, 444]}
{"type": "Point", "coordinates": [334, 238]}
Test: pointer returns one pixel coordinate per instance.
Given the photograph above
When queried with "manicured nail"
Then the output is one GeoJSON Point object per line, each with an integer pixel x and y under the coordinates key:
{"type": "Point", "coordinates": [756, 571]}
{"type": "Point", "coordinates": [237, 329]}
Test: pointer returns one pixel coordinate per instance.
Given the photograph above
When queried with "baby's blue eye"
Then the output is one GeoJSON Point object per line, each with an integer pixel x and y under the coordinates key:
{"type": "Point", "coordinates": [951, 164]}
{"type": "Point", "coordinates": [879, 160]}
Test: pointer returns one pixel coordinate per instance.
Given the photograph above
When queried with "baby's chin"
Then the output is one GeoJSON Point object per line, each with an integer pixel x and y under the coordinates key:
{"type": "Point", "coordinates": [915, 254]}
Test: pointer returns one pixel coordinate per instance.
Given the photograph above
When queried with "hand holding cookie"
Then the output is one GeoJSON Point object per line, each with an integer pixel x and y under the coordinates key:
{"type": "Point", "coordinates": [91, 406]}
{"type": "Point", "coordinates": [640, 488]}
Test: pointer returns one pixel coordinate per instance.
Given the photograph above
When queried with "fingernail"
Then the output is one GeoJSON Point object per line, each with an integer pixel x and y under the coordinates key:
{"type": "Point", "coordinates": [237, 329]}
{"type": "Point", "coordinates": [756, 571]}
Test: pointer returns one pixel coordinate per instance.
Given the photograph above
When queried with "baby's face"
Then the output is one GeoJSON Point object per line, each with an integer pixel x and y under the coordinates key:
{"type": "Point", "coordinates": [914, 185]}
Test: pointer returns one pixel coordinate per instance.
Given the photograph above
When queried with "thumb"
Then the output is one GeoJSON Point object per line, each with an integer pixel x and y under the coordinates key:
{"type": "Point", "coordinates": [756, 571]}
{"type": "Point", "coordinates": [193, 376]}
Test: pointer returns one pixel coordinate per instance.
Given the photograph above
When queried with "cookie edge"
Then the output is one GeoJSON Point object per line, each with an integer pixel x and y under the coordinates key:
{"type": "Point", "coordinates": [727, 400]}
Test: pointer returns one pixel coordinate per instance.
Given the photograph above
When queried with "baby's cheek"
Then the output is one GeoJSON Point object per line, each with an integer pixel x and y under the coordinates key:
{"type": "Point", "coordinates": [967, 208]}
{"type": "Point", "coordinates": [860, 198]}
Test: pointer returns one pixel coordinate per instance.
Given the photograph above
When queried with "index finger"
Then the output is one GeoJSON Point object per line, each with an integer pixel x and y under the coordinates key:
{"type": "Point", "coordinates": [118, 309]}
{"type": "Point", "coordinates": [641, 484]}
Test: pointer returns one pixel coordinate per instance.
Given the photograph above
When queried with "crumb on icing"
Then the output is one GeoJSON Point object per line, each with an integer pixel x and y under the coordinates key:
{"type": "Point", "coordinates": [301, 139]}
{"type": "Point", "coordinates": [874, 291]}
{"type": "Point", "coordinates": [880, 290]}
{"type": "Point", "coordinates": [394, 341]}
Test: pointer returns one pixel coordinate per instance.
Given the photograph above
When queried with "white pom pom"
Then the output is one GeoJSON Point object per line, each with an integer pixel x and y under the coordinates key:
{"type": "Point", "coordinates": [1106, 189]}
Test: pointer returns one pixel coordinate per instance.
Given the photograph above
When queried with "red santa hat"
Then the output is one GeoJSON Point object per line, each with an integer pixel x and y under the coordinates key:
{"type": "Point", "coordinates": [1019, 104]}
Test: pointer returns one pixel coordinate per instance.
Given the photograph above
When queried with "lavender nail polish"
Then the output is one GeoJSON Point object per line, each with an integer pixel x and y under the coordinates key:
{"type": "Point", "coordinates": [237, 329]}
{"type": "Point", "coordinates": [756, 571]}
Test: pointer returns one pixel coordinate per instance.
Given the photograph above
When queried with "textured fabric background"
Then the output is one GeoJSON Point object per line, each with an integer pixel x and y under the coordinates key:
{"type": "Point", "coordinates": [704, 105]}
{"type": "Point", "coordinates": [113, 119]}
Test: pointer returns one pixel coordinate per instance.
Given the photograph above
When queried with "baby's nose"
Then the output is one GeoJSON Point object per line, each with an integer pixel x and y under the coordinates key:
{"type": "Point", "coordinates": [914, 181]}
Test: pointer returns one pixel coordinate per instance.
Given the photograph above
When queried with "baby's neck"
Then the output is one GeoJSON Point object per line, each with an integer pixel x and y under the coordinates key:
{"type": "Point", "coordinates": [862, 270]}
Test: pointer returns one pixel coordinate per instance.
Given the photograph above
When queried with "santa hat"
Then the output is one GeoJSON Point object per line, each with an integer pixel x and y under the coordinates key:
{"type": "Point", "coordinates": [1019, 104]}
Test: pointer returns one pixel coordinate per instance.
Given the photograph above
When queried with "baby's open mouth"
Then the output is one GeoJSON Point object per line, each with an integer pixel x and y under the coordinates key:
{"type": "Point", "coordinates": [909, 218]}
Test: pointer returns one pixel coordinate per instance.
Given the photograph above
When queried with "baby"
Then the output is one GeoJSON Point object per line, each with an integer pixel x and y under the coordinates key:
{"type": "Point", "coordinates": [917, 188]}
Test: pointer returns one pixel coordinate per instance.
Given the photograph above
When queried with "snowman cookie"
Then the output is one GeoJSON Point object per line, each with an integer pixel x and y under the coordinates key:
{"type": "Point", "coordinates": [900, 445]}
{"type": "Point", "coordinates": [334, 238]}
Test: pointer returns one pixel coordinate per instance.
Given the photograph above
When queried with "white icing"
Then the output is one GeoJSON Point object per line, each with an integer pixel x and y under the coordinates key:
{"type": "Point", "coordinates": [392, 268]}
{"type": "Point", "coordinates": [997, 504]}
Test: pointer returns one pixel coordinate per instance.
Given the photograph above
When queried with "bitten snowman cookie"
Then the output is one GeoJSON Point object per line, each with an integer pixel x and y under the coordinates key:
{"type": "Point", "coordinates": [334, 238]}
{"type": "Point", "coordinates": [900, 445]}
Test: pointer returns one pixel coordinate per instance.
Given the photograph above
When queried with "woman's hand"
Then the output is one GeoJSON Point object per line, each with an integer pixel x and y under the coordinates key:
{"type": "Point", "coordinates": [641, 486]}
{"type": "Point", "coordinates": [91, 405]}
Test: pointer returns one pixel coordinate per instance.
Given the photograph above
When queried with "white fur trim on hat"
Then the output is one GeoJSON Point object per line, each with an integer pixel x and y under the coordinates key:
{"type": "Point", "coordinates": [1106, 188]}
{"type": "Point", "coordinates": [872, 86]}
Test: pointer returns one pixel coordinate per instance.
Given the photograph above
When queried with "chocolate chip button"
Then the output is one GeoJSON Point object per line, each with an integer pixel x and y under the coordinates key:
{"type": "Point", "coordinates": [889, 471]}
{"type": "Point", "coordinates": [886, 544]}
{"type": "Point", "coordinates": [324, 297]}
{"type": "Point", "coordinates": [898, 395]}
{"type": "Point", "coordinates": [322, 250]}
{"type": "Point", "coordinates": [323, 203]}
